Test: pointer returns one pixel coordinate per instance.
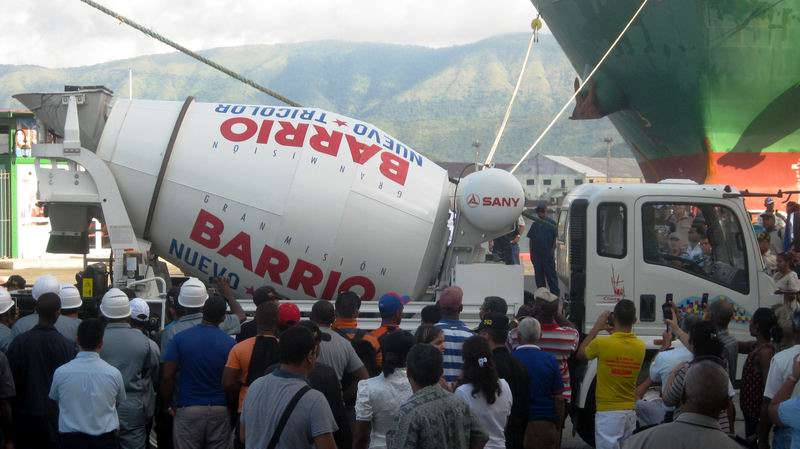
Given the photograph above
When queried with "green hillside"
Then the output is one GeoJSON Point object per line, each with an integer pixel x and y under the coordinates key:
{"type": "Point", "coordinates": [437, 100]}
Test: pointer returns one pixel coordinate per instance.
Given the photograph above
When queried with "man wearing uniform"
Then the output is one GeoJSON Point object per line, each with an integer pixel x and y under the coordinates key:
{"type": "Point", "coordinates": [67, 324]}
{"type": "Point", "coordinates": [192, 296]}
{"type": "Point", "coordinates": [542, 238]}
{"type": "Point", "coordinates": [130, 351]}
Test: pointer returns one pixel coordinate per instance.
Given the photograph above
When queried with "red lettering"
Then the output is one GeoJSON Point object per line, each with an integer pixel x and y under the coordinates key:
{"type": "Point", "coordinates": [506, 202]}
{"type": "Point", "coordinates": [291, 136]}
{"type": "Point", "coordinates": [360, 152]}
{"type": "Point", "coordinates": [394, 167]}
{"type": "Point", "coordinates": [330, 285]}
{"type": "Point", "coordinates": [515, 201]}
{"type": "Point", "coordinates": [226, 128]}
{"type": "Point", "coordinates": [263, 133]}
{"type": "Point", "coordinates": [307, 275]}
{"type": "Point", "coordinates": [487, 201]}
{"type": "Point", "coordinates": [274, 262]}
{"type": "Point", "coordinates": [239, 247]}
{"type": "Point", "coordinates": [325, 142]}
{"type": "Point", "coordinates": [359, 281]}
{"type": "Point", "coordinates": [207, 229]}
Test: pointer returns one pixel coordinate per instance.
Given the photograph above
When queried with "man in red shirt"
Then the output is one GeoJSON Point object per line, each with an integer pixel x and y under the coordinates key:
{"type": "Point", "coordinates": [560, 341]}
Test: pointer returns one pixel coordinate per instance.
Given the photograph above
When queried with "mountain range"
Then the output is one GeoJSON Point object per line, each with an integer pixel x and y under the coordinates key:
{"type": "Point", "coordinates": [437, 100]}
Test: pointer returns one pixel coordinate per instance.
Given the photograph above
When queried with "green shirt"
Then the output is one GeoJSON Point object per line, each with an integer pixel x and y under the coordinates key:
{"type": "Point", "coordinates": [435, 419]}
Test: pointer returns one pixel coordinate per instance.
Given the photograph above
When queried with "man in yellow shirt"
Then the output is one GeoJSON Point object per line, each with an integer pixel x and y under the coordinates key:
{"type": "Point", "coordinates": [619, 359]}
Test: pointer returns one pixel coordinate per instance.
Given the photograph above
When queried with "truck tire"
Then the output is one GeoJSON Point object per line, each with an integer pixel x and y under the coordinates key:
{"type": "Point", "coordinates": [584, 424]}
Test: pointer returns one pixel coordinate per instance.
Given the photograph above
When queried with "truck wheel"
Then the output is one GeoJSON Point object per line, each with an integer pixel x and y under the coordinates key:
{"type": "Point", "coordinates": [585, 417]}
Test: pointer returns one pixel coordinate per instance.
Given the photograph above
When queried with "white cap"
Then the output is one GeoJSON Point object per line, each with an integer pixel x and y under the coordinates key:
{"type": "Point", "coordinates": [45, 284]}
{"type": "Point", "coordinates": [5, 300]}
{"type": "Point", "coordinates": [193, 293]}
{"type": "Point", "coordinates": [140, 310]}
{"type": "Point", "coordinates": [115, 304]}
{"type": "Point", "coordinates": [70, 297]}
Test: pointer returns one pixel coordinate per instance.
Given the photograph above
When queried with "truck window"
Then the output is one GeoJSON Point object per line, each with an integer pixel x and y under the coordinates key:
{"type": "Point", "coordinates": [562, 225]}
{"type": "Point", "coordinates": [611, 230]}
{"type": "Point", "coordinates": [705, 240]}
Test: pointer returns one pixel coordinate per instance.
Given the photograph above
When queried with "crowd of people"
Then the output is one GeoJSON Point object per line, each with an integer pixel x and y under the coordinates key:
{"type": "Point", "coordinates": [211, 379]}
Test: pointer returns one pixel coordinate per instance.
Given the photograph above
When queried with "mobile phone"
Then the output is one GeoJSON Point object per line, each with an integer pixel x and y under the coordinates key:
{"type": "Point", "coordinates": [704, 301]}
{"type": "Point", "coordinates": [610, 320]}
{"type": "Point", "coordinates": [666, 309]}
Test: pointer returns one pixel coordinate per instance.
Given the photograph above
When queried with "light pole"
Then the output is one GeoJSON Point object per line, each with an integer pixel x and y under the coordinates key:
{"type": "Point", "coordinates": [477, 145]}
{"type": "Point", "coordinates": [608, 141]}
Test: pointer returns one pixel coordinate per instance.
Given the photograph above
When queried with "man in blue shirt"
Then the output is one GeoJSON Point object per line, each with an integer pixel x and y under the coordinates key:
{"type": "Point", "coordinates": [34, 356]}
{"type": "Point", "coordinates": [546, 403]}
{"type": "Point", "coordinates": [542, 238]}
{"type": "Point", "coordinates": [200, 353]}
{"type": "Point", "coordinates": [88, 391]}
{"type": "Point", "coordinates": [454, 330]}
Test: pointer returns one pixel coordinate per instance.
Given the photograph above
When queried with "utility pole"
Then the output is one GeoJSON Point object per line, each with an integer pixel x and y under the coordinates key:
{"type": "Point", "coordinates": [477, 145]}
{"type": "Point", "coordinates": [608, 141]}
{"type": "Point", "coordinates": [130, 84]}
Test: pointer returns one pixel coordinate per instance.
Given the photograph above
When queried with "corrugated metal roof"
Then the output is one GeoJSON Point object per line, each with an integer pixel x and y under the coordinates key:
{"type": "Point", "coordinates": [574, 165]}
{"type": "Point", "coordinates": [621, 167]}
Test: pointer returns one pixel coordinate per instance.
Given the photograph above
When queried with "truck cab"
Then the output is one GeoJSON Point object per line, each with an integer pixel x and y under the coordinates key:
{"type": "Point", "coordinates": [693, 244]}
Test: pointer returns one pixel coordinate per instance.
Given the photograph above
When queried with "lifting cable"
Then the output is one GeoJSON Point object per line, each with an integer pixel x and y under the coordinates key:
{"type": "Point", "coordinates": [188, 52]}
{"type": "Point", "coordinates": [534, 37]}
{"type": "Point", "coordinates": [583, 83]}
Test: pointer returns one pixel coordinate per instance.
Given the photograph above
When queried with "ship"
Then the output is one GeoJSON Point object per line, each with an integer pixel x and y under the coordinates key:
{"type": "Point", "coordinates": [703, 90]}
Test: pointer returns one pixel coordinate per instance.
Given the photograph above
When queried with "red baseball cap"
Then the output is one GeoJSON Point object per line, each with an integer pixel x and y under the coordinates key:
{"type": "Point", "coordinates": [288, 314]}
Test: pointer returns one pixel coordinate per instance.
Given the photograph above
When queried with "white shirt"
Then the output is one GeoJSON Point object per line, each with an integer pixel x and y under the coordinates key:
{"type": "Point", "coordinates": [494, 416]}
{"type": "Point", "coordinates": [780, 368]}
{"type": "Point", "coordinates": [379, 400]}
{"type": "Point", "coordinates": [666, 361]}
{"type": "Point", "coordinates": [787, 282]}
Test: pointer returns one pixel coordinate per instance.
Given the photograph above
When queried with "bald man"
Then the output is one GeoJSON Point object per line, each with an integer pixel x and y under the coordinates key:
{"type": "Point", "coordinates": [706, 395]}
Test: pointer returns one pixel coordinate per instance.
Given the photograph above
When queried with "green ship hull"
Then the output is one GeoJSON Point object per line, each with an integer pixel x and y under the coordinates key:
{"type": "Point", "coordinates": [706, 90]}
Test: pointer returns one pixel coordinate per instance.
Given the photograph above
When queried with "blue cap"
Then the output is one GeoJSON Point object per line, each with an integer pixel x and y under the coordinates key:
{"type": "Point", "coordinates": [390, 303]}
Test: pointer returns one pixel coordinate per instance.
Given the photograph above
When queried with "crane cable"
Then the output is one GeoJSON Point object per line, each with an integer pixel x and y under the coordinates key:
{"type": "Point", "coordinates": [583, 83]}
{"type": "Point", "coordinates": [513, 95]}
{"type": "Point", "coordinates": [188, 52]}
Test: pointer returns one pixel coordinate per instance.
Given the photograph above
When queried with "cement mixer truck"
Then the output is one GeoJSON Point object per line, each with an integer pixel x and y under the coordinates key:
{"type": "Point", "coordinates": [309, 201]}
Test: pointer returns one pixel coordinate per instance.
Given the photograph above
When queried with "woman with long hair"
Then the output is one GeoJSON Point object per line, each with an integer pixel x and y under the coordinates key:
{"type": "Point", "coordinates": [428, 333]}
{"type": "Point", "coordinates": [705, 345]}
{"type": "Point", "coordinates": [764, 327]}
{"type": "Point", "coordinates": [379, 399]}
{"type": "Point", "coordinates": [487, 396]}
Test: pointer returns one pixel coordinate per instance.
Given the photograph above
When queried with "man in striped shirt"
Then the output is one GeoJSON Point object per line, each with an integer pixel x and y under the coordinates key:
{"type": "Point", "coordinates": [559, 341]}
{"type": "Point", "coordinates": [455, 332]}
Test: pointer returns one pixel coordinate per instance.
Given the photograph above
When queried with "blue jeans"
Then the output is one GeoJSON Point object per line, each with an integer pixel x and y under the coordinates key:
{"type": "Point", "coordinates": [515, 253]}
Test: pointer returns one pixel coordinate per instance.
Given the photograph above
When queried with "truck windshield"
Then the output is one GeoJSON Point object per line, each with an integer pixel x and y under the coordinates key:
{"type": "Point", "coordinates": [705, 240]}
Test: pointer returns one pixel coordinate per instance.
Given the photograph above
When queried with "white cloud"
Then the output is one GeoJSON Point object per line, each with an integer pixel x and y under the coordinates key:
{"type": "Point", "coordinates": [64, 33]}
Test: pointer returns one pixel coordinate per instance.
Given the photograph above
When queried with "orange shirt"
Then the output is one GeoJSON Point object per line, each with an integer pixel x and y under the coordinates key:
{"type": "Point", "coordinates": [239, 359]}
{"type": "Point", "coordinates": [374, 339]}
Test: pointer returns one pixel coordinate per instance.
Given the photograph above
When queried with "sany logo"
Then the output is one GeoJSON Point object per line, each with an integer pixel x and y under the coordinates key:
{"type": "Point", "coordinates": [474, 200]}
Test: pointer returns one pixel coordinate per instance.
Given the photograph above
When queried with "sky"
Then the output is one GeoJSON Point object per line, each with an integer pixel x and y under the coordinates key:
{"type": "Point", "coordinates": [68, 33]}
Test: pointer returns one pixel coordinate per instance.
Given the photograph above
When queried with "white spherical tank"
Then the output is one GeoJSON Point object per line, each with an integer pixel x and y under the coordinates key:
{"type": "Point", "coordinates": [491, 199]}
{"type": "Point", "coordinates": [306, 200]}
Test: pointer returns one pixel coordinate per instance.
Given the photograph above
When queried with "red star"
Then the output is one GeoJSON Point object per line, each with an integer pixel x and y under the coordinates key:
{"type": "Point", "coordinates": [250, 291]}
{"type": "Point", "coordinates": [340, 122]}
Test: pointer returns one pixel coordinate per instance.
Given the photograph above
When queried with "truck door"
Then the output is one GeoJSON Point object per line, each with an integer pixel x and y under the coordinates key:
{"type": "Point", "coordinates": [695, 250]}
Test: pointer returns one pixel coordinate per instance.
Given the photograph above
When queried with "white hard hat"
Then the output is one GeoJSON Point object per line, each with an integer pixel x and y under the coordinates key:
{"type": "Point", "coordinates": [140, 310]}
{"type": "Point", "coordinates": [5, 300]}
{"type": "Point", "coordinates": [45, 284]}
{"type": "Point", "coordinates": [115, 304]}
{"type": "Point", "coordinates": [70, 297]}
{"type": "Point", "coordinates": [193, 293]}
